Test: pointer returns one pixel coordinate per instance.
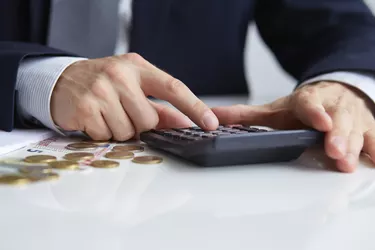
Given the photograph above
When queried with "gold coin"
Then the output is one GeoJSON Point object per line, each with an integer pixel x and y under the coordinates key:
{"type": "Point", "coordinates": [119, 155]}
{"type": "Point", "coordinates": [79, 156]}
{"type": "Point", "coordinates": [40, 176]}
{"type": "Point", "coordinates": [131, 148]}
{"type": "Point", "coordinates": [81, 146]}
{"type": "Point", "coordinates": [40, 158]}
{"type": "Point", "coordinates": [69, 165]}
{"type": "Point", "coordinates": [101, 142]}
{"type": "Point", "coordinates": [12, 179]}
{"type": "Point", "coordinates": [105, 164]}
{"type": "Point", "coordinates": [29, 169]}
{"type": "Point", "coordinates": [147, 159]}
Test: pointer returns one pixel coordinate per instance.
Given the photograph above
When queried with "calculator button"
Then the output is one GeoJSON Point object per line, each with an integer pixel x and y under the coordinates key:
{"type": "Point", "coordinates": [241, 132]}
{"type": "Point", "coordinates": [263, 130]}
{"type": "Point", "coordinates": [248, 129]}
{"type": "Point", "coordinates": [221, 134]}
{"type": "Point", "coordinates": [185, 138]}
{"type": "Point", "coordinates": [178, 130]}
{"type": "Point", "coordinates": [196, 129]}
{"type": "Point", "coordinates": [226, 130]}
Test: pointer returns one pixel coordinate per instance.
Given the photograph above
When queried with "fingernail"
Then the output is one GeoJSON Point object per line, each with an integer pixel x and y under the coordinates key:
{"type": "Point", "coordinates": [209, 120]}
{"type": "Point", "coordinates": [339, 142]}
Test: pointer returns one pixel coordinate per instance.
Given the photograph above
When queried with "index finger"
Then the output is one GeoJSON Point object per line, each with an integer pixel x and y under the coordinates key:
{"type": "Point", "coordinates": [161, 85]}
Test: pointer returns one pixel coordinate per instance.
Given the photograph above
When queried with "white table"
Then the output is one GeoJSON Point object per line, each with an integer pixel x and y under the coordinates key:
{"type": "Point", "coordinates": [294, 206]}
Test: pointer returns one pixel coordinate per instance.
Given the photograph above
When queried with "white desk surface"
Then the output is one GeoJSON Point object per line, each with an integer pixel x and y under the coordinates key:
{"type": "Point", "coordinates": [299, 205]}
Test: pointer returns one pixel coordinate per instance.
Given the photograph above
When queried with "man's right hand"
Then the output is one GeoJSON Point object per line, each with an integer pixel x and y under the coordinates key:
{"type": "Point", "coordinates": [107, 98]}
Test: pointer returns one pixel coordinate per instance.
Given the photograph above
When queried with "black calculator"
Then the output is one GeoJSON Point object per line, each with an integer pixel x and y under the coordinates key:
{"type": "Point", "coordinates": [232, 144]}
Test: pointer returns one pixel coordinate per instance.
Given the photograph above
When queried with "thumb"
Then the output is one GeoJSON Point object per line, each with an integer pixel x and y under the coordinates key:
{"type": "Point", "coordinates": [170, 117]}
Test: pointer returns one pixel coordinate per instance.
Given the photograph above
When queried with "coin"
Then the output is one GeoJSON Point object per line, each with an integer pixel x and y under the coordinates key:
{"type": "Point", "coordinates": [104, 164]}
{"type": "Point", "coordinates": [67, 165]}
{"type": "Point", "coordinates": [40, 176]}
{"type": "Point", "coordinates": [81, 146]}
{"type": "Point", "coordinates": [40, 158]}
{"type": "Point", "coordinates": [147, 159]}
{"type": "Point", "coordinates": [104, 142]}
{"type": "Point", "coordinates": [132, 148]}
{"type": "Point", "coordinates": [29, 169]}
{"type": "Point", "coordinates": [79, 156]}
{"type": "Point", "coordinates": [119, 155]}
{"type": "Point", "coordinates": [17, 162]}
{"type": "Point", "coordinates": [13, 179]}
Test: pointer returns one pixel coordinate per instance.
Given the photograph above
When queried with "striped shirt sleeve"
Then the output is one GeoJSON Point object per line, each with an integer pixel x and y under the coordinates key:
{"type": "Point", "coordinates": [36, 79]}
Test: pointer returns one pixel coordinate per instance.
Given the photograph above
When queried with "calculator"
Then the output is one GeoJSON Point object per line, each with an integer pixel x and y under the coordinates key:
{"type": "Point", "coordinates": [232, 144]}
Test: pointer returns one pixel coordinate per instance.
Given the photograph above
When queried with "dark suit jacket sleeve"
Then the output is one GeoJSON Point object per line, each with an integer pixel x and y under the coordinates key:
{"type": "Point", "coordinates": [312, 37]}
{"type": "Point", "coordinates": [11, 54]}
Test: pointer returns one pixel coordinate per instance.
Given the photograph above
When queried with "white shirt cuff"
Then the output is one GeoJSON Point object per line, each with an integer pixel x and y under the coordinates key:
{"type": "Point", "coordinates": [362, 81]}
{"type": "Point", "coordinates": [36, 80]}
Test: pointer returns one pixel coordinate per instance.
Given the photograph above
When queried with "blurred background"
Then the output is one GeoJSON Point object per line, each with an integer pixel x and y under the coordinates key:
{"type": "Point", "coordinates": [264, 69]}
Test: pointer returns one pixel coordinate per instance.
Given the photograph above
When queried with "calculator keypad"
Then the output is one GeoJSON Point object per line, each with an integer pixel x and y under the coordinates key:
{"type": "Point", "coordinates": [196, 133]}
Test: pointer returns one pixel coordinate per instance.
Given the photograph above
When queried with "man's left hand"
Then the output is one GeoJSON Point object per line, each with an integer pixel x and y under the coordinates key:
{"type": "Point", "coordinates": [341, 111]}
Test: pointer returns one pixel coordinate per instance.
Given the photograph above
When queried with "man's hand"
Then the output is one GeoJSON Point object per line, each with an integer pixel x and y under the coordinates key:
{"type": "Point", "coordinates": [107, 98]}
{"type": "Point", "coordinates": [342, 112]}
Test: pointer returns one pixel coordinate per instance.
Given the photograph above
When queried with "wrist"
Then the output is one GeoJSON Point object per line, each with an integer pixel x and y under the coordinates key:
{"type": "Point", "coordinates": [36, 81]}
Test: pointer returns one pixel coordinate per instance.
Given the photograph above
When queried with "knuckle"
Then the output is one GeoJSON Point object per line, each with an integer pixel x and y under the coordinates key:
{"type": "Point", "coordinates": [304, 94]}
{"type": "Point", "coordinates": [100, 88]}
{"type": "Point", "coordinates": [85, 108]}
{"type": "Point", "coordinates": [134, 57]}
{"type": "Point", "coordinates": [174, 86]}
{"type": "Point", "coordinates": [199, 107]}
{"type": "Point", "coordinates": [113, 69]}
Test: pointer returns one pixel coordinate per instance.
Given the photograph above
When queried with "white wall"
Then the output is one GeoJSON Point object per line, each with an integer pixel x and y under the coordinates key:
{"type": "Point", "coordinates": [266, 77]}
